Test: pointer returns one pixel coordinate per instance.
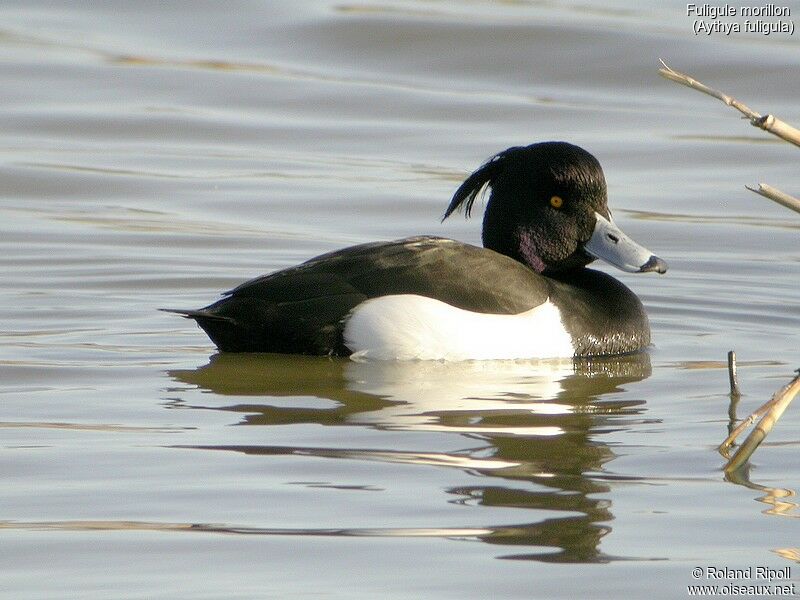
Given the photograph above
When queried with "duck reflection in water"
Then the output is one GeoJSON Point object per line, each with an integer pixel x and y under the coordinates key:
{"type": "Point", "coordinates": [535, 422]}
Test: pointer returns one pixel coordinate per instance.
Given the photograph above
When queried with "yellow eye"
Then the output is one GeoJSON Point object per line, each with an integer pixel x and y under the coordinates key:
{"type": "Point", "coordinates": [556, 201]}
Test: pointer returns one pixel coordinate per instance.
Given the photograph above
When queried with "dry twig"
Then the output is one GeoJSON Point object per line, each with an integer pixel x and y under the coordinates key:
{"type": "Point", "coordinates": [772, 411]}
{"type": "Point", "coordinates": [777, 196]}
{"type": "Point", "coordinates": [768, 123]}
{"type": "Point", "coordinates": [734, 381]}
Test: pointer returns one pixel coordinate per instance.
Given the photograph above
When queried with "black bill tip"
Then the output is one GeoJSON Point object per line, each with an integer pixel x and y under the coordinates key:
{"type": "Point", "coordinates": [654, 264]}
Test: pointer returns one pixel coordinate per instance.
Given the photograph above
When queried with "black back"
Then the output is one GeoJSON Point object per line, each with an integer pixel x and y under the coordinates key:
{"type": "Point", "coordinates": [300, 309]}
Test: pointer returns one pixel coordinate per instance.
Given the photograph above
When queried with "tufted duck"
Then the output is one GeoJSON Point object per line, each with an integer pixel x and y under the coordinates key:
{"type": "Point", "coordinates": [526, 294]}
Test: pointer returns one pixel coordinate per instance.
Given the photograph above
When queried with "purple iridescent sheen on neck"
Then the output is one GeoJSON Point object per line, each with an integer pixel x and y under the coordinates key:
{"type": "Point", "coordinates": [527, 251]}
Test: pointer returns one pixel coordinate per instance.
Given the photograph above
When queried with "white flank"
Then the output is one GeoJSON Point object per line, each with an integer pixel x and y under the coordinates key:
{"type": "Point", "coordinates": [411, 327]}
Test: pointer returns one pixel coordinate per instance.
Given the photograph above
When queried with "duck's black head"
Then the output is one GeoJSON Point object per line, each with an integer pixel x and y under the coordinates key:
{"type": "Point", "coordinates": [548, 209]}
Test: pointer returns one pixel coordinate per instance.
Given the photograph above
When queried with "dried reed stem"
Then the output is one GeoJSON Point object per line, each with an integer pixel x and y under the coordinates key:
{"type": "Point", "coordinates": [773, 409]}
{"type": "Point", "coordinates": [776, 195]}
{"type": "Point", "coordinates": [768, 123]}
{"type": "Point", "coordinates": [733, 380]}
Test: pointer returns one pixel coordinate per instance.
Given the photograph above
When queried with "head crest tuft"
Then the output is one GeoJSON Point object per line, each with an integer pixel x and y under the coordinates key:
{"type": "Point", "coordinates": [476, 183]}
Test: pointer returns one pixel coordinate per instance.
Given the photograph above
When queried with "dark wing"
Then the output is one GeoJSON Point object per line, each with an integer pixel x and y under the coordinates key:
{"type": "Point", "coordinates": [300, 309]}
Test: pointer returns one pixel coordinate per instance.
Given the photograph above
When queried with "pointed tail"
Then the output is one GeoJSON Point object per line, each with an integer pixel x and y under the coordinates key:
{"type": "Point", "coordinates": [198, 314]}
